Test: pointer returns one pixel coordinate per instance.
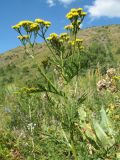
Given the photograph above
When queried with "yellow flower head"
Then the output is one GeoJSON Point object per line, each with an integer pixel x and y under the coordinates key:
{"type": "Point", "coordinates": [71, 43]}
{"type": "Point", "coordinates": [83, 14]}
{"type": "Point", "coordinates": [54, 35]}
{"type": "Point", "coordinates": [64, 36]}
{"type": "Point", "coordinates": [34, 27]}
{"type": "Point", "coordinates": [79, 40]}
{"type": "Point", "coordinates": [24, 37]}
{"type": "Point", "coordinates": [73, 10]}
{"type": "Point", "coordinates": [25, 23]}
{"type": "Point", "coordinates": [75, 13]}
{"type": "Point", "coordinates": [49, 38]}
{"type": "Point", "coordinates": [47, 23]}
{"type": "Point", "coordinates": [69, 27]}
{"type": "Point", "coordinates": [61, 41]}
{"type": "Point", "coordinates": [72, 14]}
{"type": "Point", "coordinates": [69, 16]}
{"type": "Point", "coordinates": [79, 10]}
{"type": "Point", "coordinates": [16, 26]}
{"type": "Point", "coordinates": [40, 21]}
{"type": "Point", "coordinates": [82, 47]}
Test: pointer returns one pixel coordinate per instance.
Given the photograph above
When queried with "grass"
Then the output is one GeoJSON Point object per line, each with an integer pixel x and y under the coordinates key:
{"type": "Point", "coordinates": [49, 137]}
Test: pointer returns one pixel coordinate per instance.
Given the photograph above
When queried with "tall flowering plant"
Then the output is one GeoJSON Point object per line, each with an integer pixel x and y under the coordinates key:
{"type": "Point", "coordinates": [69, 117]}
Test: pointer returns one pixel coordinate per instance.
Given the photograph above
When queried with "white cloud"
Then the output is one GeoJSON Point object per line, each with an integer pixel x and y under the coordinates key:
{"type": "Point", "coordinates": [64, 2]}
{"type": "Point", "coordinates": [51, 3]}
{"type": "Point", "coordinates": [108, 8]}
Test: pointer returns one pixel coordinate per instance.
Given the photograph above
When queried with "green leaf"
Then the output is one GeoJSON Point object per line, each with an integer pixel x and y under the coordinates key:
{"type": "Point", "coordinates": [102, 136]}
{"type": "Point", "coordinates": [82, 114]}
{"type": "Point", "coordinates": [105, 122]}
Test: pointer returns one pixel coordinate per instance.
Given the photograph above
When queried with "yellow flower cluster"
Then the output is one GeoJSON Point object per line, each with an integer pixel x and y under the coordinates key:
{"type": "Point", "coordinates": [69, 27]}
{"type": "Point", "coordinates": [75, 13]}
{"type": "Point", "coordinates": [71, 43]}
{"type": "Point", "coordinates": [53, 36]}
{"type": "Point", "coordinates": [22, 24]}
{"type": "Point", "coordinates": [34, 27]}
{"type": "Point", "coordinates": [24, 37]}
{"type": "Point", "coordinates": [77, 43]}
{"type": "Point", "coordinates": [79, 40]}
{"type": "Point", "coordinates": [64, 37]}
{"type": "Point", "coordinates": [76, 16]}
{"type": "Point", "coordinates": [30, 26]}
{"type": "Point", "coordinates": [47, 24]}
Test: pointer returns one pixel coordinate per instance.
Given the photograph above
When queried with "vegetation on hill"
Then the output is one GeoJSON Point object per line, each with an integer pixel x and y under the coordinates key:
{"type": "Point", "coordinates": [102, 47]}
{"type": "Point", "coordinates": [61, 103]}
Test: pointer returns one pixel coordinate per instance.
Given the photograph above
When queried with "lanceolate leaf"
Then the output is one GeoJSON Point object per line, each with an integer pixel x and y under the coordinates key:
{"type": "Point", "coordinates": [105, 122]}
{"type": "Point", "coordinates": [102, 136]}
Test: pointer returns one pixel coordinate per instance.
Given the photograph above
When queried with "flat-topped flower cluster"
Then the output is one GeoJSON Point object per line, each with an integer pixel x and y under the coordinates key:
{"type": "Point", "coordinates": [29, 30]}
{"type": "Point", "coordinates": [30, 26]}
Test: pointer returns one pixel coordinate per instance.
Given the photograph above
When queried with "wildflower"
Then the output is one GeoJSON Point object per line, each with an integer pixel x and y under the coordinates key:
{"type": "Point", "coordinates": [64, 36]}
{"type": "Point", "coordinates": [61, 40]}
{"type": "Point", "coordinates": [31, 126]}
{"type": "Point", "coordinates": [34, 27]}
{"type": "Point", "coordinates": [112, 106]}
{"type": "Point", "coordinates": [22, 24]}
{"type": "Point", "coordinates": [53, 38]}
{"type": "Point", "coordinates": [82, 47]}
{"type": "Point", "coordinates": [73, 10]}
{"type": "Point", "coordinates": [25, 23]}
{"type": "Point", "coordinates": [16, 26]}
{"type": "Point", "coordinates": [117, 117]}
{"type": "Point", "coordinates": [79, 10]}
{"type": "Point", "coordinates": [49, 38]}
{"type": "Point", "coordinates": [78, 43]}
{"type": "Point", "coordinates": [83, 14]}
{"type": "Point", "coordinates": [72, 43]}
{"type": "Point", "coordinates": [40, 21]}
{"type": "Point", "coordinates": [69, 27]}
{"type": "Point", "coordinates": [47, 23]}
{"type": "Point", "coordinates": [102, 84]}
{"type": "Point", "coordinates": [54, 35]}
{"type": "Point", "coordinates": [71, 15]}
{"type": "Point", "coordinates": [79, 40]}
{"type": "Point", "coordinates": [75, 13]}
{"type": "Point", "coordinates": [111, 72]}
{"type": "Point", "coordinates": [24, 37]}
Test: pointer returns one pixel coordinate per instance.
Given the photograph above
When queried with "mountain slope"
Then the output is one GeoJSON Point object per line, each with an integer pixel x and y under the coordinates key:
{"type": "Point", "coordinates": [16, 66]}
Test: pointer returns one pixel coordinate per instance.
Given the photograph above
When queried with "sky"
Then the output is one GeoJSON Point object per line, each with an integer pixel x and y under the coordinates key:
{"type": "Point", "coordinates": [100, 12]}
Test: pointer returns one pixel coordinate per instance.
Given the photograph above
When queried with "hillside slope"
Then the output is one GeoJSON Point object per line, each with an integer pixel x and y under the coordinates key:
{"type": "Point", "coordinates": [15, 61]}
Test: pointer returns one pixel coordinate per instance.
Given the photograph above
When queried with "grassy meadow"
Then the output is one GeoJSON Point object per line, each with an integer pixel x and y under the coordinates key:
{"type": "Point", "coordinates": [60, 100]}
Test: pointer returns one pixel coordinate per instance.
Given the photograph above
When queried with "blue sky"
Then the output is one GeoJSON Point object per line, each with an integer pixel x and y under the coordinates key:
{"type": "Point", "coordinates": [100, 12]}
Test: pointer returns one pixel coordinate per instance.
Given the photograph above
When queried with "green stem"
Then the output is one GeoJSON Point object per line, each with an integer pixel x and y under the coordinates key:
{"type": "Point", "coordinates": [48, 80]}
{"type": "Point", "coordinates": [32, 134]}
{"type": "Point", "coordinates": [43, 36]}
{"type": "Point", "coordinates": [74, 151]}
{"type": "Point", "coordinates": [62, 65]}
